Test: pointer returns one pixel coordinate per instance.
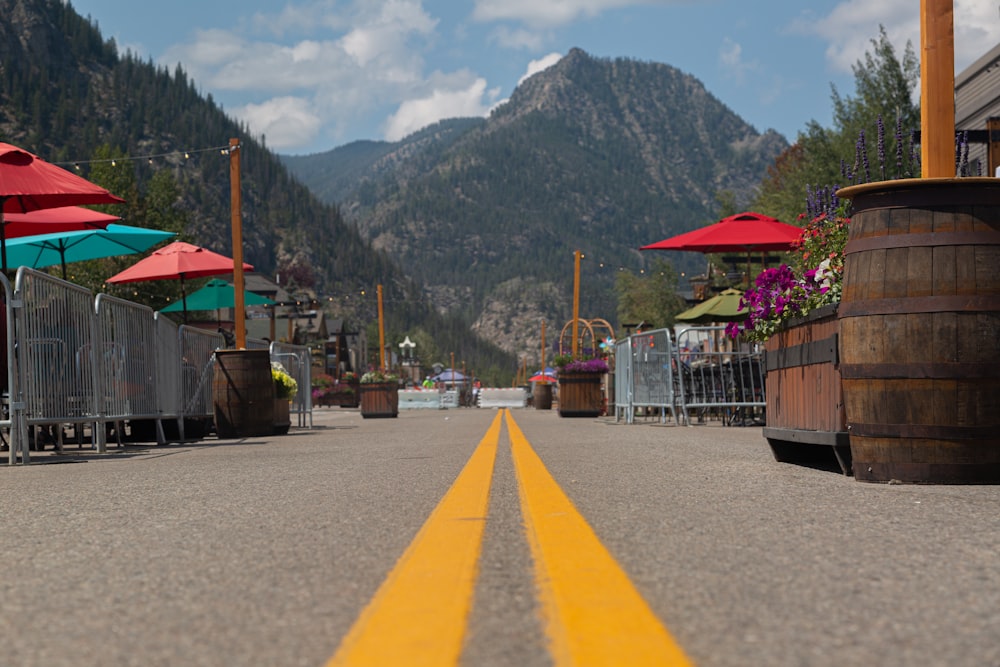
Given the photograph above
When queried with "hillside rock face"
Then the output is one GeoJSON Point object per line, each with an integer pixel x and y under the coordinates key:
{"type": "Point", "coordinates": [595, 155]}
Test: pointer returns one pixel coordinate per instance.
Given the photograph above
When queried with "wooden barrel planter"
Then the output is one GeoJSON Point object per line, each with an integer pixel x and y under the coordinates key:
{"type": "Point", "coordinates": [282, 416]}
{"type": "Point", "coordinates": [806, 421]}
{"type": "Point", "coordinates": [919, 330]}
{"type": "Point", "coordinates": [243, 393]}
{"type": "Point", "coordinates": [541, 396]}
{"type": "Point", "coordinates": [379, 399]}
{"type": "Point", "coordinates": [580, 394]}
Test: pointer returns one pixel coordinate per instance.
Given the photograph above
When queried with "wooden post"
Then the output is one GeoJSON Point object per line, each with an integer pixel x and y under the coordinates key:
{"type": "Point", "coordinates": [543, 346]}
{"type": "Point", "coordinates": [576, 303]}
{"type": "Point", "coordinates": [240, 316]}
{"type": "Point", "coordinates": [381, 332]}
{"type": "Point", "coordinates": [993, 145]}
{"type": "Point", "coordinates": [937, 89]}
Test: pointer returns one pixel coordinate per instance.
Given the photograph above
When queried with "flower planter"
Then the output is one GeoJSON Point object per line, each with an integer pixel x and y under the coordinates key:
{"type": "Point", "coordinates": [282, 416]}
{"type": "Point", "coordinates": [919, 325]}
{"type": "Point", "coordinates": [806, 422]}
{"type": "Point", "coordinates": [243, 393]}
{"type": "Point", "coordinates": [379, 399]}
{"type": "Point", "coordinates": [541, 396]}
{"type": "Point", "coordinates": [580, 394]}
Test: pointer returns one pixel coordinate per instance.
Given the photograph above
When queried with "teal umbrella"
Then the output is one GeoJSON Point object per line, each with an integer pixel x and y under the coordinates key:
{"type": "Point", "coordinates": [62, 248]}
{"type": "Point", "coordinates": [216, 295]}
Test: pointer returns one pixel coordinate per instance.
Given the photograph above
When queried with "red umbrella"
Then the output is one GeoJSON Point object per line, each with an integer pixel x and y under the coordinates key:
{"type": "Point", "coordinates": [178, 261]}
{"type": "Point", "coordinates": [55, 220]}
{"type": "Point", "coordinates": [743, 232]}
{"type": "Point", "coordinates": [29, 183]}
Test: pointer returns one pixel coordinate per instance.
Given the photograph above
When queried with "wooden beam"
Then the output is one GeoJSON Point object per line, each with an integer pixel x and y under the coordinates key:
{"type": "Point", "coordinates": [937, 89]}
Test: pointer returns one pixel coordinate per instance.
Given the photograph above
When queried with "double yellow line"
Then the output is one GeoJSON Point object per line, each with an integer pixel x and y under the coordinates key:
{"type": "Point", "coordinates": [593, 615]}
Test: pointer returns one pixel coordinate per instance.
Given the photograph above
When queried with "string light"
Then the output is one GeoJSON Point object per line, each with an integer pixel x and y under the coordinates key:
{"type": "Point", "coordinates": [185, 154]}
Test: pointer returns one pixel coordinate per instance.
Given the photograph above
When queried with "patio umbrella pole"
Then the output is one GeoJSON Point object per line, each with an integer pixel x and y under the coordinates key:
{"type": "Point", "coordinates": [3, 236]}
{"type": "Point", "coordinates": [184, 302]}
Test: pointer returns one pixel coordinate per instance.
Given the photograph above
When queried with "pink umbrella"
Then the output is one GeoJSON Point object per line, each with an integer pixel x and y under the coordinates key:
{"type": "Point", "coordinates": [178, 261]}
{"type": "Point", "coordinates": [29, 183]}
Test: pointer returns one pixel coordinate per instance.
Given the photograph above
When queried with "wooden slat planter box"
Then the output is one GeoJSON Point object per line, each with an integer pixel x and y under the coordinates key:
{"type": "Point", "coordinates": [580, 395]}
{"type": "Point", "coordinates": [806, 421]}
{"type": "Point", "coordinates": [379, 399]}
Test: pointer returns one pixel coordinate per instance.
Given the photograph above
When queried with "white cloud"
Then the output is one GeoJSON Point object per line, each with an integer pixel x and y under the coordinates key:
{"type": "Point", "coordinates": [850, 27]}
{"type": "Point", "coordinates": [518, 39]}
{"type": "Point", "coordinates": [439, 104]}
{"type": "Point", "coordinates": [341, 69]}
{"type": "Point", "coordinates": [551, 12]}
{"type": "Point", "coordinates": [536, 66]}
{"type": "Point", "coordinates": [731, 60]}
{"type": "Point", "coordinates": [285, 122]}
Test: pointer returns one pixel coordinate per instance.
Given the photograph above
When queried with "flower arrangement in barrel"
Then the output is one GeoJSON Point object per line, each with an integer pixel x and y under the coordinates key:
{"type": "Point", "coordinates": [814, 280]}
{"type": "Point", "coordinates": [285, 386]}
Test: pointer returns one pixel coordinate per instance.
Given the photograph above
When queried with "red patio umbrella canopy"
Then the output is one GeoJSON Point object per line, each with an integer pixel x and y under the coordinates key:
{"type": "Point", "coordinates": [55, 221]}
{"type": "Point", "coordinates": [743, 232]}
{"type": "Point", "coordinates": [179, 260]}
{"type": "Point", "coordinates": [29, 183]}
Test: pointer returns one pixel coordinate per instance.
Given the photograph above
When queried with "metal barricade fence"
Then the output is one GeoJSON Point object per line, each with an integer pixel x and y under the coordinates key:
{"type": "Point", "coordinates": [168, 371]}
{"type": "Point", "coordinates": [623, 381]}
{"type": "Point", "coordinates": [197, 366]}
{"type": "Point", "coordinates": [653, 384]}
{"type": "Point", "coordinates": [258, 344]}
{"type": "Point", "coordinates": [717, 377]}
{"type": "Point", "coordinates": [12, 418]}
{"type": "Point", "coordinates": [54, 329]}
{"type": "Point", "coordinates": [125, 361]}
{"type": "Point", "coordinates": [297, 361]}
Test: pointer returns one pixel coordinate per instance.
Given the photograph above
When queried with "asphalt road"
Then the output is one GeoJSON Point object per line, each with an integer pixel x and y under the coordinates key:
{"type": "Point", "coordinates": [265, 551]}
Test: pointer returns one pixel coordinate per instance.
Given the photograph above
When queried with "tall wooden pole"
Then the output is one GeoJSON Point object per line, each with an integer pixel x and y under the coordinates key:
{"type": "Point", "coordinates": [576, 303]}
{"type": "Point", "coordinates": [381, 332]}
{"type": "Point", "coordinates": [937, 89]}
{"type": "Point", "coordinates": [240, 323]}
{"type": "Point", "coordinates": [543, 347]}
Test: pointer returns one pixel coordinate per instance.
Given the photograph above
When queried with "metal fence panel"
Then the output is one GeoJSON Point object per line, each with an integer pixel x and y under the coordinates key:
{"type": "Point", "coordinates": [55, 334]}
{"type": "Point", "coordinates": [652, 372]}
{"type": "Point", "coordinates": [197, 361]}
{"type": "Point", "coordinates": [168, 370]}
{"type": "Point", "coordinates": [125, 359]}
{"type": "Point", "coordinates": [297, 361]}
{"type": "Point", "coordinates": [717, 375]}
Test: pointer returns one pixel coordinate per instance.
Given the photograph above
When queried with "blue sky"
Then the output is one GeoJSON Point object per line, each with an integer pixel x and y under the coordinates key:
{"type": "Point", "coordinates": [311, 75]}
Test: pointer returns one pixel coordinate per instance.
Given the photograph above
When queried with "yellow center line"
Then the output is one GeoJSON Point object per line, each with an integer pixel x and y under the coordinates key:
{"type": "Point", "coordinates": [593, 614]}
{"type": "Point", "coordinates": [418, 615]}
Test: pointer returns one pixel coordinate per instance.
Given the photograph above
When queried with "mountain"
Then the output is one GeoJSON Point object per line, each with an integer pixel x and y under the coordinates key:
{"type": "Point", "coordinates": [66, 94]}
{"type": "Point", "coordinates": [596, 155]}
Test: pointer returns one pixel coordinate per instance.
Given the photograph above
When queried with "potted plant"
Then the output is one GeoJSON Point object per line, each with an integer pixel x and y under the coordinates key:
{"type": "Point", "coordinates": [580, 386]}
{"type": "Point", "coordinates": [793, 313]}
{"type": "Point", "coordinates": [323, 387]}
{"type": "Point", "coordinates": [285, 389]}
{"type": "Point", "coordinates": [379, 392]}
{"type": "Point", "coordinates": [348, 395]}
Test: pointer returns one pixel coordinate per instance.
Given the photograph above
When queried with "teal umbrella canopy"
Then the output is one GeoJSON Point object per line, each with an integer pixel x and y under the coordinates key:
{"type": "Point", "coordinates": [215, 295]}
{"type": "Point", "coordinates": [64, 248]}
{"type": "Point", "coordinates": [723, 307]}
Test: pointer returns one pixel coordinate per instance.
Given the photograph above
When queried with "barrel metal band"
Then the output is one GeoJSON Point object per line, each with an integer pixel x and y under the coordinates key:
{"type": "Point", "coordinates": [920, 371]}
{"type": "Point", "coordinates": [805, 354]}
{"type": "Point", "coordinates": [903, 305]}
{"type": "Point", "coordinates": [929, 431]}
{"type": "Point", "coordinates": [926, 240]}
